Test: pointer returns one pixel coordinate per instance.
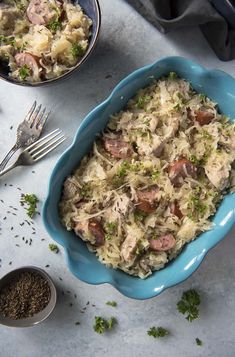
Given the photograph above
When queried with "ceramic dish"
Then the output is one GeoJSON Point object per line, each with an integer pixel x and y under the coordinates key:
{"type": "Point", "coordinates": [92, 10]}
{"type": "Point", "coordinates": [83, 264]}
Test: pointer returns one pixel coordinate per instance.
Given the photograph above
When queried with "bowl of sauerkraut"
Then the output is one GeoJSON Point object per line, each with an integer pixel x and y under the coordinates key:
{"type": "Point", "coordinates": [146, 188]}
{"type": "Point", "coordinates": [42, 41]}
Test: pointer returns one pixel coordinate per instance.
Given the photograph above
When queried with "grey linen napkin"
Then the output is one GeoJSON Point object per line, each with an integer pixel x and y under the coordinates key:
{"type": "Point", "coordinates": [168, 15]}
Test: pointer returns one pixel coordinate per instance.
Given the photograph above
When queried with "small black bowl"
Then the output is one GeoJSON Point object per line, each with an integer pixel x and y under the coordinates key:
{"type": "Point", "coordinates": [92, 10]}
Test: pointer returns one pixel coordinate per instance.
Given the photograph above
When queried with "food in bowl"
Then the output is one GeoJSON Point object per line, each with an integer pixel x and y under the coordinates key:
{"type": "Point", "coordinates": [42, 39]}
{"type": "Point", "coordinates": [155, 176]}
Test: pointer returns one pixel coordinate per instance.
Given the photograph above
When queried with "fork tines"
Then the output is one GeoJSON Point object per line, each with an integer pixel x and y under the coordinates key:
{"type": "Point", "coordinates": [36, 117]}
{"type": "Point", "coordinates": [46, 144]}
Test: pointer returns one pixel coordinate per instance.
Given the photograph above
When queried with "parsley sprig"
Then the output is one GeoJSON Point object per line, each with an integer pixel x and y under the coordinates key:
{"type": "Point", "coordinates": [157, 332]}
{"type": "Point", "coordinates": [142, 100]}
{"type": "Point", "coordinates": [111, 303]}
{"type": "Point", "coordinates": [77, 50]}
{"type": "Point", "coordinates": [101, 324]}
{"type": "Point", "coordinates": [31, 202]}
{"type": "Point", "coordinates": [54, 248]}
{"type": "Point", "coordinates": [188, 305]}
{"type": "Point", "coordinates": [24, 72]}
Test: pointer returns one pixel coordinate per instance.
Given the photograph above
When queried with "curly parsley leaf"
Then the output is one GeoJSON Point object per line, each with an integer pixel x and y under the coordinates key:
{"type": "Point", "coordinates": [101, 324]}
{"type": "Point", "coordinates": [31, 202]}
{"type": "Point", "coordinates": [157, 332]}
{"type": "Point", "coordinates": [142, 101]}
{"type": "Point", "coordinates": [188, 305]}
{"type": "Point", "coordinates": [77, 50]}
{"type": "Point", "coordinates": [111, 303]}
{"type": "Point", "coordinates": [24, 72]}
{"type": "Point", "coordinates": [54, 248]}
{"type": "Point", "coordinates": [54, 25]}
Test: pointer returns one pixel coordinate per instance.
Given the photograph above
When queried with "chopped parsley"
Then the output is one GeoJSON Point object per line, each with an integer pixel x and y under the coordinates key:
{"type": "Point", "coordinates": [24, 72]}
{"type": "Point", "coordinates": [85, 190]}
{"type": "Point", "coordinates": [31, 202]}
{"type": "Point", "coordinates": [54, 248]}
{"type": "Point", "coordinates": [142, 101]}
{"type": "Point", "coordinates": [202, 97]}
{"type": "Point", "coordinates": [198, 341]}
{"type": "Point", "coordinates": [157, 332]}
{"type": "Point", "coordinates": [110, 228]}
{"type": "Point", "coordinates": [7, 40]}
{"type": "Point", "coordinates": [188, 305]}
{"type": "Point", "coordinates": [197, 206]}
{"type": "Point", "coordinates": [155, 175]}
{"type": "Point", "coordinates": [54, 25]}
{"type": "Point", "coordinates": [101, 324]}
{"type": "Point", "coordinates": [77, 50]}
{"type": "Point", "coordinates": [139, 215]}
{"type": "Point", "coordinates": [206, 135]}
{"type": "Point", "coordinates": [172, 75]}
{"type": "Point", "coordinates": [111, 303]}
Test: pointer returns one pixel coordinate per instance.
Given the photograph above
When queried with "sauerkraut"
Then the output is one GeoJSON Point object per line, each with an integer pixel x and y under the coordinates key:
{"type": "Point", "coordinates": [153, 179]}
{"type": "Point", "coordinates": [42, 39]}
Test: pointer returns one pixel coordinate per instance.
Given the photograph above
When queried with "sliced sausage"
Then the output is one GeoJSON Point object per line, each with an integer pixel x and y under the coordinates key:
{"type": "Point", "coordinates": [164, 242]}
{"type": "Point", "coordinates": [180, 169]}
{"type": "Point", "coordinates": [80, 228]}
{"type": "Point", "coordinates": [30, 60]}
{"type": "Point", "coordinates": [41, 12]}
{"type": "Point", "coordinates": [97, 231]}
{"type": "Point", "coordinates": [118, 148]}
{"type": "Point", "coordinates": [203, 117]}
{"type": "Point", "coordinates": [175, 210]}
{"type": "Point", "coordinates": [147, 198]}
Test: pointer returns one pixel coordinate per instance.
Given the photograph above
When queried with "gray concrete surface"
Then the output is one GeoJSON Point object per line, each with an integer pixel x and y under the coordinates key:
{"type": "Point", "coordinates": [126, 42]}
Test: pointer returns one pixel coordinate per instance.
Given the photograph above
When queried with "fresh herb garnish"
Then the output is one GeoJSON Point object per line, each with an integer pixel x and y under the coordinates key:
{"type": "Point", "coordinates": [172, 75]}
{"type": "Point", "coordinates": [202, 97]}
{"type": "Point", "coordinates": [139, 215]}
{"type": "Point", "coordinates": [188, 305]}
{"type": "Point", "coordinates": [155, 175]}
{"type": "Point", "coordinates": [110, 228]}
{"type": "Point", "coordinates": [85, 190]}
{"type": "Point", "coordinates": [197, 206]}
{"type": "Point", "coordinates": [54, 25]}
{"type": "Point", "coordinates": [111, 303]}
{"type": "Point", "coordinates": [198, 341]}
{"type": "Point", "coordinates": [206, 135]}
{"type": "Point", "coordinates": [54, 248]}
{"type": "Point", "coordinates": [142, 101]}
{"type": "Point", "coordinates": [77, 50]}
{"type": "Point", "coordinates": [101, 324]}
{"type": "Point", "coordinates": [31, 201]}
{"type": "Point", "coordinates": [24, 72]}
{"type": "Point", "coordinates": [157, 332]}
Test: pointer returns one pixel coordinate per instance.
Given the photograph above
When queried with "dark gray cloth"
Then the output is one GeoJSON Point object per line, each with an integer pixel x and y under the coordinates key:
{"type": "Point", "coordinates": [168, 15]}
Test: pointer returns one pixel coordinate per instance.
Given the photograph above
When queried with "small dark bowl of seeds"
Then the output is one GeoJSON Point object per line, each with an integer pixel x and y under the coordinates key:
{"type": "Point", "coordinates": [27, 297]}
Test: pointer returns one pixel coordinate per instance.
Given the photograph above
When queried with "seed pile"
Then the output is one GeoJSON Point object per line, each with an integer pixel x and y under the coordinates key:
{"type": "Point", "coordinates": [24, 296]}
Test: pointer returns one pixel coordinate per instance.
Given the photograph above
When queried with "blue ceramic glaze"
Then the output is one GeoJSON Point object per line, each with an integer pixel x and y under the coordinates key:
{"type": "Point", "coordinates": [220, 87]}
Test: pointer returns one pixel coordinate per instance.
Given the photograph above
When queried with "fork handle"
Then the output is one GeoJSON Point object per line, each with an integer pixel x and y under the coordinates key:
{"type": "Point", "coordinates": [7, 157]}
{"type": "Point", "coordinates": [3, 172]}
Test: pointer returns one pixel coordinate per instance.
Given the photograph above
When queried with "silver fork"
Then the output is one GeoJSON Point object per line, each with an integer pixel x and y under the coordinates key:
{"type": "Point", "coordinates": [37, 150]}
{"type": "Point", "coordinates": [28, 131]}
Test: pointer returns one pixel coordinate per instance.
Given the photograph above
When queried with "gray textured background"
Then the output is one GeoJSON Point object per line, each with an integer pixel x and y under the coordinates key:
{"type": "Point", "coordinates": [126, 42]}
